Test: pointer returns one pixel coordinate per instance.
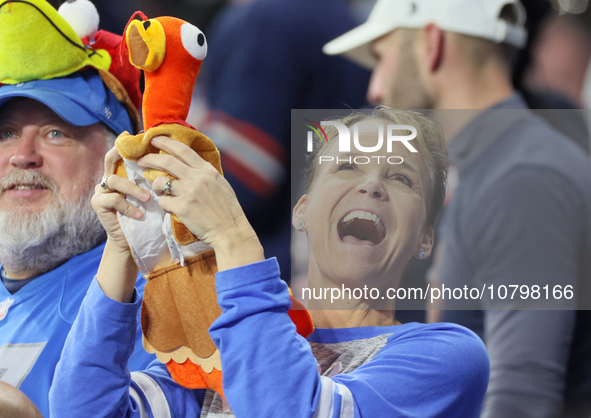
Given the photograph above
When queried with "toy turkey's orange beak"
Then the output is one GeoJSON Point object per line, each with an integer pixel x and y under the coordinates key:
{"type": "Point", "coordinates": [146, 41]}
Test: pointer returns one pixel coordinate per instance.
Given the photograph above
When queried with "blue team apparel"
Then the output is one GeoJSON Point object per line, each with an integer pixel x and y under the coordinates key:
{"type": "Point", "coordinates": [269, 370]}
{"type": "Point", "coordinates": [37, 321]}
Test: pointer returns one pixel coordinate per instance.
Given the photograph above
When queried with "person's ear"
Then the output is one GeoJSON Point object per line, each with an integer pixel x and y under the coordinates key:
{"type": "Point", "coordinates": [300, 210]}
{"type": "Point", "coordinates": [427, 243]}
{"type": "Point", "coordinates": [434, 45]}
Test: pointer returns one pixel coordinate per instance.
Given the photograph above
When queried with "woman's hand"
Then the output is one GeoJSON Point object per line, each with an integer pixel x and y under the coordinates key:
{"type": "Point", "coordinates": [117, 271]}
{"type": "Point", "coordinates": [106, 203]}
{"type": "Point", "coordinates": [204, 202]}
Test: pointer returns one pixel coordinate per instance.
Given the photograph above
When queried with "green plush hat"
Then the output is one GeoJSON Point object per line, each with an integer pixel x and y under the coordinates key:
{"type": "Point", "coordinates": [36, 43]}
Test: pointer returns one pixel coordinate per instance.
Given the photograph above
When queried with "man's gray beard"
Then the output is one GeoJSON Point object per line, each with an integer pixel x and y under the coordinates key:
{"type": "Point", "coordinates": [41, 241]}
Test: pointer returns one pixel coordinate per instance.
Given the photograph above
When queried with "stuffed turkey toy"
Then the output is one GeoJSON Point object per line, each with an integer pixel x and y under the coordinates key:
{"type": "Point", "coordinates": [180, 301]}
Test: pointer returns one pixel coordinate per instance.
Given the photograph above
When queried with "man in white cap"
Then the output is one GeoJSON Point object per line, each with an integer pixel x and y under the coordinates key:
{"type": "Point", "coordinates": [521, 214]}
{"type": "Point", "coordinates": [413, 46]}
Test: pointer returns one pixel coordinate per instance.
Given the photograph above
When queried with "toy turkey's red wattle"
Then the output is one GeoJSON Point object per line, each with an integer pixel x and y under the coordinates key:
{"type": "Point", "coordinates": [179, 300]}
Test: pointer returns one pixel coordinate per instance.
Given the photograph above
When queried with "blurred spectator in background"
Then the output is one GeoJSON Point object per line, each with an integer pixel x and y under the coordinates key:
{"type": "Point", "coordinates": [560, 62]}
{"type": "Point", "coordinates": [540, 95]}
{"type": "Point", "coordinates": [560, 55]}
{"type": "Point", "coordinates": [587, 90]}
{"type": "Point", "coordinates": [264, 59]}
{"type": "Point", "coordinates": [521, 212]}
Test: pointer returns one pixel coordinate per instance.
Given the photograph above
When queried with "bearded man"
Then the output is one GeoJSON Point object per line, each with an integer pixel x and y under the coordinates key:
{"type": "Point", "coordinates": [53, 138]}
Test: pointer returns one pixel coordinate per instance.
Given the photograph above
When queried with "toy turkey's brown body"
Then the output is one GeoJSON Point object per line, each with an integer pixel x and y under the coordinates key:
{"type": "Point", "coordinates": [179, 301]}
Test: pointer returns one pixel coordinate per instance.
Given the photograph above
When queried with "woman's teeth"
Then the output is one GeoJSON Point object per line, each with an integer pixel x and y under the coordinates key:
{"type": "Point", "coordinates": [361, 214]}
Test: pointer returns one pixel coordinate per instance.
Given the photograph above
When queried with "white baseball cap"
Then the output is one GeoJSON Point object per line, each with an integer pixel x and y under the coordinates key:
{"type": "Point", "coordinates": [479, 18]}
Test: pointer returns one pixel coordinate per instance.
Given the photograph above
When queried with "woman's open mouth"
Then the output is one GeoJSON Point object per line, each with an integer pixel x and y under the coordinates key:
{"type": "Point", "coordinates": [363, 226]}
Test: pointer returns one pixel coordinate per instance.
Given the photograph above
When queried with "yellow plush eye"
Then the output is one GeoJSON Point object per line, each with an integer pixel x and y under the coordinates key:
{"type": "Point", "coordinates": [194, 41]}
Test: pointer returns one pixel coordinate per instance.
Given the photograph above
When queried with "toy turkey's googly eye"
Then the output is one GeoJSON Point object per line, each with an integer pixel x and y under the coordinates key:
{"type": "Point", "coordinates": [194, 41]}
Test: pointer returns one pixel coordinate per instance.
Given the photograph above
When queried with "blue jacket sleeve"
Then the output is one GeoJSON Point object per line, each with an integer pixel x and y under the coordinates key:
{"type": "Point", "coordinates": [93, 377]}
{"type": "Point", "coordinates": [269, 370]}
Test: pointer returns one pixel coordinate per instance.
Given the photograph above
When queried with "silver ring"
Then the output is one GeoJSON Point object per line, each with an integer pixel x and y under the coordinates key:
{"type": "Point", "coordinates": [167, 188]}
{"type": "Point", "coordinates": [104, 184]}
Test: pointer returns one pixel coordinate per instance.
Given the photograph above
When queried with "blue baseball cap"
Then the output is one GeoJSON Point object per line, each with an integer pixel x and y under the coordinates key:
{"type": "Point", "coordinates": [81, 99]}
